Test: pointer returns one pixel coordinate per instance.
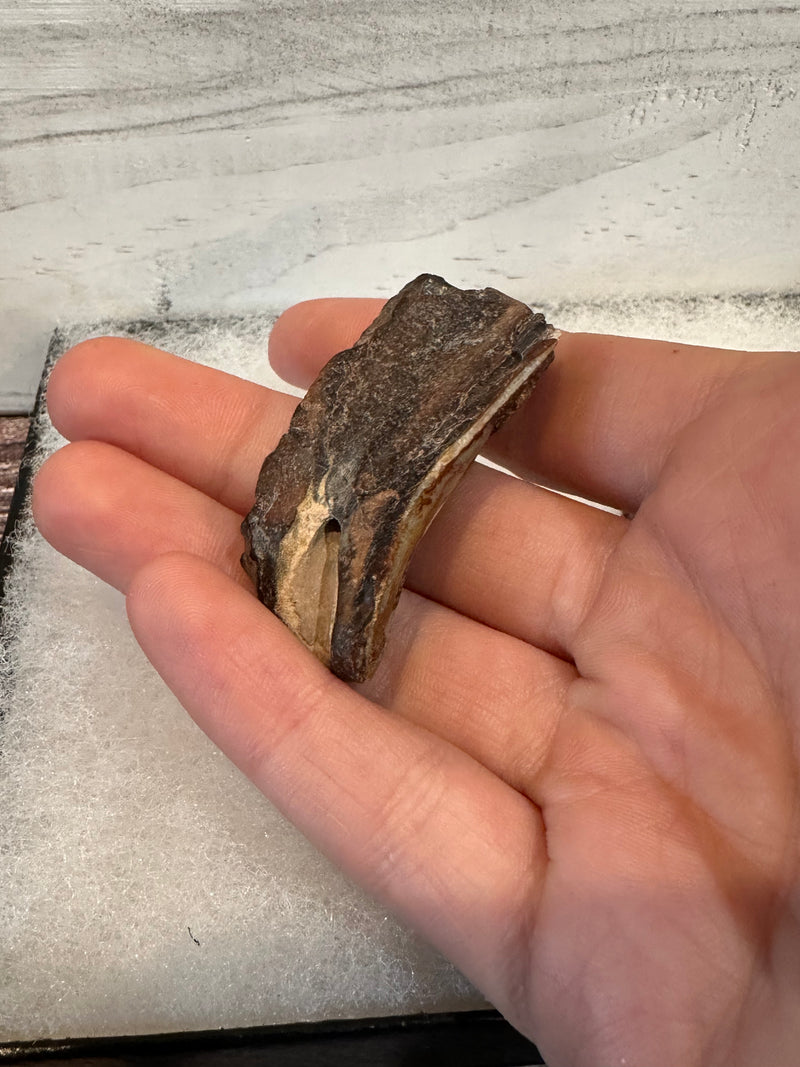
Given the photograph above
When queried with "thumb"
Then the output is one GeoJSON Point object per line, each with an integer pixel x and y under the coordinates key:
{"type": "Point", "coordinates": [453, 850]}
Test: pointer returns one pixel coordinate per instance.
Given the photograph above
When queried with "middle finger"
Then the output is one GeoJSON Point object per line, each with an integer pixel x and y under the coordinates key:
{"type": "Point", "coordinates": [506, 553]}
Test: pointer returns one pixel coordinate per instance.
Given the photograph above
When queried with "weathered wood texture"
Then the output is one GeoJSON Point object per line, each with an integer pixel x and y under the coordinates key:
{"type": "Point", "coordinates": [216, 155]}
{"type": "Point", "coordinates": [13, 434]}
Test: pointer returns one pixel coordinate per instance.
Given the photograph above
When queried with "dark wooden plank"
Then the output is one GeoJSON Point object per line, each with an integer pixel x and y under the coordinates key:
{"type": "Point", "coordinates": [13, 432]}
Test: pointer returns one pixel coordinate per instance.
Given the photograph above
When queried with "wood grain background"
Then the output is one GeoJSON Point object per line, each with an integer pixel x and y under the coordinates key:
{"type": "Point", "coordinates": [210, 156]}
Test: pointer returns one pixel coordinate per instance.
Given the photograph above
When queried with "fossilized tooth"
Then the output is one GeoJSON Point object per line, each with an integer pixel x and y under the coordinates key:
{"type": "Point", "coordinates": [384, 433]}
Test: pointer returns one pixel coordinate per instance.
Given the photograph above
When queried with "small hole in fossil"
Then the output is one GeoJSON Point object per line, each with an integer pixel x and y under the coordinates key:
{"type": "Point", "coordinates": [311, 558]}
{"type": "Point", "coordinates": [316, 591]}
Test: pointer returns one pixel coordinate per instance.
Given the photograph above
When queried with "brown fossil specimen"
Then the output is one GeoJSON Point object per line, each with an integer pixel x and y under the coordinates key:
{"type": "Point", "coordinates": [382, 436]}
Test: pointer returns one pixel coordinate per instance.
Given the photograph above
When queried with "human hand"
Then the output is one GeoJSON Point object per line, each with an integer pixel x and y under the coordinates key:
{"type": "Point", "coordinates": [576, 770]}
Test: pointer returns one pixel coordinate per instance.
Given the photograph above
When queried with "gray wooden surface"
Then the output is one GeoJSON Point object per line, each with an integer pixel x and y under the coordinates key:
{"type": "Point", "coordinates": [210, 156]}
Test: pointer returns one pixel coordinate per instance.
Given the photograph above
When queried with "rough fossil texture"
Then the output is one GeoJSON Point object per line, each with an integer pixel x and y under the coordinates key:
{"type": "Point", "coordinates": [382, 436]}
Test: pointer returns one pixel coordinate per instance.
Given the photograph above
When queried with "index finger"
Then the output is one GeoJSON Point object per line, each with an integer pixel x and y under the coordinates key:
{"type": "Point", "coordinates": [599, 424]}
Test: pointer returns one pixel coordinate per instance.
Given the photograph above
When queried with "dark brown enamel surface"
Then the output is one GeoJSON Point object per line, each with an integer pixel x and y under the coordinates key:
{"type": "Point", "coordinates": [382, 435]}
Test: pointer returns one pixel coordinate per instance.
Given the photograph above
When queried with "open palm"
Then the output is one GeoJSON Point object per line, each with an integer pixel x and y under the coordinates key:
{"type": "Point", "coordinates": [576, 770]}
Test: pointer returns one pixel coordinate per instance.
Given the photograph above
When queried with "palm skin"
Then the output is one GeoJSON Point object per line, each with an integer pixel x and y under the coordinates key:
{"type": "Point", "coordinates": [576, 771]}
